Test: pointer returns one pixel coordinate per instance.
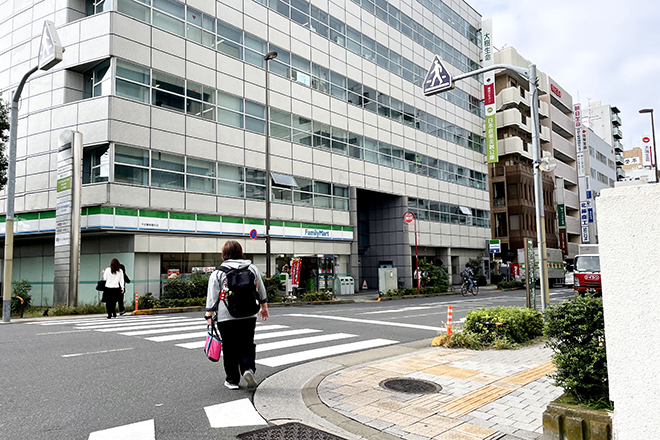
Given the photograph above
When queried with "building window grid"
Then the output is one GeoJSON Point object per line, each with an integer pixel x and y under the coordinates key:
{"type": "Point", "coordinates": [427, 210]}
{"type": "Point", "coordinates": [242, 113]}
{"type": "Point", "coordinates": [201, 28]}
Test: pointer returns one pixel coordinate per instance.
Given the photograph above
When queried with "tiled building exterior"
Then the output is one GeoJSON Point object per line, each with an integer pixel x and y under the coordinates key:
{"type": "Point", "coordinates": [170, 99]}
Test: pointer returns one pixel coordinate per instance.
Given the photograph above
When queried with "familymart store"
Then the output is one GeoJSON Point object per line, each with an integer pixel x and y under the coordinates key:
{"type": "Point", "coordinates": [155, 245]}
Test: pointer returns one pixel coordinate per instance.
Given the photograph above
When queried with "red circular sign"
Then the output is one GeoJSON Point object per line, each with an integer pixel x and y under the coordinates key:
{"type": "Point", "coordinates": [646, 140]}
{"type": "Point", "coordinates": [408, 217]}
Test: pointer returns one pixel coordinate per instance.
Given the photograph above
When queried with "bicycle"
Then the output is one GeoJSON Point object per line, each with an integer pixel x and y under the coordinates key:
{"type": "Point", "coordinates": [465, 290]}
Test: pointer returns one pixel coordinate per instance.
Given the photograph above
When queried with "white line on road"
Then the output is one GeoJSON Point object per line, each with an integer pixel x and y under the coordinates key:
{"type": "Point", "coordinates": [236, 413]}
{"type": "Point", "coordinates": [302, 341]}
{"type": "Point", "coordinates": [367, 321]}
{"type": "Point", "coordinates": [65, 331]}
{"type": "Point", "coordinates": [122, 323]}
{"type": "Point", "coordinates": [291, 358]}
{"type": "Point", "coordinates": [258, 336]}
{"type": "Point", "coordinates": [145, 326]}
{"type": "Point", "coordinates": [95, 352]}
{"type": "Point", "coordinates": [135, 431]}
{"type": "Point", "coordinates": [405, 309]}
{"type": "Point", "coordinates": [202, 334]}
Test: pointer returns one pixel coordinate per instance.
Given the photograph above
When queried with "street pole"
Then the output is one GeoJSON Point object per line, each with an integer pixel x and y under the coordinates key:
{"type": "Point", "coordinates": [11, 189]}
{"type": "Point", "coordinates": [538, 187]}
{"type": "Point", "coordinates": [269, 56]}
{"type": "Point", "coordinates": [655, 151]}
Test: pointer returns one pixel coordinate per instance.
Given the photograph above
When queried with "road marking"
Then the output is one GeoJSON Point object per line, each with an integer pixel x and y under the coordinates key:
{"type": "Point", "coordinates": [121, 322]}
{"type": "Point", "coordinates": [202, 334]}
{"type": "Point", "coordinates": [236, 413]}
{"type": "Point", "coordinates": [144, 327]}
{"type": "Point", "coordinates": [405, 309]}
{"type": "Point", "coordinates": [164, 330]}
{"type": "Point", "coordinates": [85, 321]}
{"type": "Point", "coordinates": [95, 352]}
{"type": "Point", "coordinates": [135, 431]}
{"type": "Point", "coordinates": [291, 358]}
{"type": "Point", "coordinates": [258, 336]}
{"type": "Point", "coordinates": [302, 341]}
{"type": "Point", "coordinates": [65, 331]}
{"type": "Point", "coordinates": [367, 321]}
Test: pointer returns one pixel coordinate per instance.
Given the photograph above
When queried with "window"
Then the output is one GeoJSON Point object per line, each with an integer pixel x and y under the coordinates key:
{"type": "Point", "coordinates": [514, 222]}
{"type": "Point", "coordinates": [98, 80]}
{"type": "Point", "coordinates": [132, 81]}
{"type": "Point", "coordinates": [230, 181]}
{"type": "Point", "coordinates": [167, 170]}
{"type": "Point", "coordinates": [131, 165]}
{"type": "Point", "coordinates": [168, 91]}
{"type": "Point", "coordinates": [200, 175]}
{"type": "Point", "coordinates": [96, 164]}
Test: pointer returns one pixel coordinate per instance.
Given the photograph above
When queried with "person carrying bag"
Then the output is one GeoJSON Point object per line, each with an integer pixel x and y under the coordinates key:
{"type": "Point", "coordinates": [237, 293]}
{"type": "Point", "coordinates": [114, 287]}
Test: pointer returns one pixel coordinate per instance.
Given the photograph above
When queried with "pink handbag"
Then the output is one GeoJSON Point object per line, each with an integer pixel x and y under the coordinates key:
{"type": "Point", "coordinates": [213, 344]}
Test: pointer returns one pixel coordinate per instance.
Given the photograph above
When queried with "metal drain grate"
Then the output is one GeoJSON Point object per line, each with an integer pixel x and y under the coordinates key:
{"type": "Point", "coordinates": [290, 431]}
{"type": "Point", "coordinates": [414, 386]}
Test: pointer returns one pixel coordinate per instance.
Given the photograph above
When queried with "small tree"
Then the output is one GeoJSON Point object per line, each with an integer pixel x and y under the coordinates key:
{"type": "Point", "coordinates": [432, 275]}
{"type": "Point", "coordinates": [478, 269]}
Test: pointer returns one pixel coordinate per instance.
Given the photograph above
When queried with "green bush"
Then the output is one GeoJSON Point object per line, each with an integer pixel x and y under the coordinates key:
{"type": "Point", "coordinates": [576, 333]}
{"type": "Point", "coordinates": [81, 309]}
{"type": "Point", "coordinates": [147, 301]}
{"type": "Point", "coordinates": [433, 276]}
{"type": "Point", "coordinates": [510, 285]}
{"type": "Point", "coordinates": [495, 278]}
{"type": "Point", "coordinates": [21, 289]}
{"type": "Point", "coordinates": [185, 302]}
{"type": "Point", "coordinates": [316, 296]}
{"type": "Point", "coordinates": [517, 325]}
{"type": "Point", "coordinates": [179, 288]}
{"type": "Point", "coordinates": [273, 286]}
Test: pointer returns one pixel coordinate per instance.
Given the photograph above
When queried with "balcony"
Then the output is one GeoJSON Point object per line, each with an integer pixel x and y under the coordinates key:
{"type": "Point", "coordinates": [567, 172]}
{"type": "Point", "coordinates": [561, 123]}
{"type": "Point", "coordinates": [616, 119]}
{"type": "Point", "coordinates": [617, 133]}
{"type": "Point", "coordinates": [513, 117]}
{"type": "Point", "coordinates": [573, 225]}
{"type": "Point", "coordinates": [563, 146]}
{"type": "Point", "coordinates": [571, 199]}
{"type": "Point", "coordinates": [514, 145]}
{"type": "Point", "coordinates": [544, 110]}
{"type": "Point", "coordinates": [544, 134]}
{"type": "Point", "coordinates": [497, 203]}
{"type": "Point", "coordinates": [511, 97]}
{"type": "Point", "coordinates": [620, 174]}
{"type": "Point", "coordinates": [619, 159]}
{"type": "Point", "coordinates": [618, 146]}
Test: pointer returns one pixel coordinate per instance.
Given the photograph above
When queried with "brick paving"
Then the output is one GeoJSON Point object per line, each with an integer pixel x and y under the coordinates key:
{"type": "Point", "coordinates": [486, 395]}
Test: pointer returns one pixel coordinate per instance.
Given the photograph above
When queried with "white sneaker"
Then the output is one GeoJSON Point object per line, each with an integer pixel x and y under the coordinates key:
{"type": "Point", "coordinates": [248, 375]}
{"type": "Point", "coordinates": [231, 386]}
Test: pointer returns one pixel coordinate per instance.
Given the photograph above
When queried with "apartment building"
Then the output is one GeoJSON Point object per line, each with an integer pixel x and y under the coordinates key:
{"type": "Point", "coordinates": [170, 98]}
{"type": "Point", "coordinates": [606, 123]}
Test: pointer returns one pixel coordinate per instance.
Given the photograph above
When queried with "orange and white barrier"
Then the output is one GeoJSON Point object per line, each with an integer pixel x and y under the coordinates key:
{"type": "Point", "coordinates": [450, 317]}
{"type": "Point", "coordinates": [136, 301]}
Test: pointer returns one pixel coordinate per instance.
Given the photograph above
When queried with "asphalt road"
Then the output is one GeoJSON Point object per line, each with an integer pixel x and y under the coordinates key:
{"type": "Point", "coordinates": [146, 376]}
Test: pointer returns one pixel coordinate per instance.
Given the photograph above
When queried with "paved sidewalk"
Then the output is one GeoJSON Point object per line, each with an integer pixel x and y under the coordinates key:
{"type": "Point", "coordinates": [486, 395]}
{"type": "Point", "coordinates": [496, 394]}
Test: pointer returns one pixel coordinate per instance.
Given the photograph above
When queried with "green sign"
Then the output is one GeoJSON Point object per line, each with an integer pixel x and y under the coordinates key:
{"type": "Point", "coordinates": [491, 138]}
{"type": "Point", "coordinates": [561, 216]}
{"type": "Point", "coordinates": [63, 184]}
{"type": "Point", "coordinates": [531, 279]}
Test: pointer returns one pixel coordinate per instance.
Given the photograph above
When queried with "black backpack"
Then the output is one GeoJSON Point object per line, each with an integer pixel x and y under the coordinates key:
{"type": "Point", "coordinates": [242, 299]}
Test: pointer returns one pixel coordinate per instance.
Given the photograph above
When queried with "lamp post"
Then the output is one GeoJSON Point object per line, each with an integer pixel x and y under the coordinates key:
{"type": "Point", "coordinates": [655, 155]}
{"type": "Point", "coordinates": [269, 56]}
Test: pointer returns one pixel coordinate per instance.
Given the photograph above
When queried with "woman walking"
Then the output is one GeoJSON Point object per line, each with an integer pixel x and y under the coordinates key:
{"type": "Point", "coordinates": [237, 333]}
{"type": "Point", "coordinates": [114, 287]}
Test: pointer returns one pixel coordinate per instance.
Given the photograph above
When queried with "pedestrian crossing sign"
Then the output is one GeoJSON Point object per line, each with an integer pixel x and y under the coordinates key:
{"type": "Point", "coordinates": [437, 79]}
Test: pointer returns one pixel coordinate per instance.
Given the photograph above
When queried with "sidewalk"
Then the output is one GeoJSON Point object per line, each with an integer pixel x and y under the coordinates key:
{"type": "Point", "coordinates": [484, 395]}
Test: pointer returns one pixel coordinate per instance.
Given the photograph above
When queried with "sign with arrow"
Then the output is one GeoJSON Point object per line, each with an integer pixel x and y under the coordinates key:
{"type": "Point", "coordinates": [437, 79]}
{"type": "Point", "coordinates": [50, 49]}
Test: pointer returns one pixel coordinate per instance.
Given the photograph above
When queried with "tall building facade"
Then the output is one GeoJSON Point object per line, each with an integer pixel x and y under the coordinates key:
{"type": "Point", "coordinates": [606, 123]}
{"type": "Point", "coordinates": [513, 214]}
{"type": "Point", "coordinates": [170, 98]}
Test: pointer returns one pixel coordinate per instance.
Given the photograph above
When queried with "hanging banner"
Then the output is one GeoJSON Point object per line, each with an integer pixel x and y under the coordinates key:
{"type": "Point", "coordinates": [647, 152]}
{"type": "Point", "coordinates": [489, 92]}
{"type": "Point", "coordinates": [295, 271]}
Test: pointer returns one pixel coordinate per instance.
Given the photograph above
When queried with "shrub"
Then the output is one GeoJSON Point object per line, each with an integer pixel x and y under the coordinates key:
{"type": "Point", "coordinates": [177, 288]}
{"type": "Point", "coordinates": [466, 339]}
{"type": "Point", "coordinates": [316, 296]}
{"type": "Point", "coordinates": [147, 301]}
{"type": "Point", "coordinates": [80, 309]}
{"type": "Point", "coordinates": [21, 289]}
{"type": "Point", "coordinates": [510, 285]}
{"type": "Point", "coordinates": [185, 302]}
{"type": "Point", "coordinates": [433, 276]}
{"type": "Point", "coordinates": [408, 291]}
{"type": "Point", "coordinates": [273, 286]}
{"type": "Point", "coordinates": [495, 278]}
{"type": "Point", "coordinates": [517, 325]}
{"type": "Point", "coordinates": [576, 333]}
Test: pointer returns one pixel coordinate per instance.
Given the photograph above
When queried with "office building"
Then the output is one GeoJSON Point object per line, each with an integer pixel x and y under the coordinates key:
{"type": "Point", "coordinates": [605, 121]}
{"type": "Point", "coordinates": [170, 99]}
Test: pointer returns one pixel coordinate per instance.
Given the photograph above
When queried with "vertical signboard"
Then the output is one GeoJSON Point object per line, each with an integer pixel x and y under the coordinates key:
{"type": "Point", "coordinates": [489, 92]}
{"type": "Point", "coordinates": [530, 273]}
{"type": "Point", "coordinates": [581, 143]}
{"type": "Point", "coordinates": [647, 152]}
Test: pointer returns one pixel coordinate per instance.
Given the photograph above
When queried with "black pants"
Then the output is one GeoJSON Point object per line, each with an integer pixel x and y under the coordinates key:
{"type": "Point", "coordinates": [111, 295]}
{"type": "Point", "coordinates": [120, 302]}
{"type": "Point", "coordinates": [238, 348]}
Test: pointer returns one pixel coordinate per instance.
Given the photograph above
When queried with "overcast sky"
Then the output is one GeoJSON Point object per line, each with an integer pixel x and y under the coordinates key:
{"type": "Point", "coordinates": [598, 50]}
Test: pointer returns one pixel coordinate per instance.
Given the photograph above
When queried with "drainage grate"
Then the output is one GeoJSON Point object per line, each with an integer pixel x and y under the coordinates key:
{"type": "Point", "coordinates": [415, 386]}
{"type": "Point", "coordinates": [290, 431]}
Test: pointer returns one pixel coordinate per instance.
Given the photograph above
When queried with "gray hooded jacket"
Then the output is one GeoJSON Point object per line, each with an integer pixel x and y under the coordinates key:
{"type": "Point", "coordinates": [217, 282]}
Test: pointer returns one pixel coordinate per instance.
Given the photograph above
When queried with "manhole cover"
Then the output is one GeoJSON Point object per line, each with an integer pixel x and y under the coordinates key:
{"type": "Point", "coordinates": [290, 431]}
{"type": "Point", "coordinates": [415, 386]}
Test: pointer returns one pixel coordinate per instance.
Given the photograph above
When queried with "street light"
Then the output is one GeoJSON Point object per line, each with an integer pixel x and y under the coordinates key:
{"type": "Point", "coordinates": [269, 56]}
{"type": "Point", "coordinates": [655, 156]}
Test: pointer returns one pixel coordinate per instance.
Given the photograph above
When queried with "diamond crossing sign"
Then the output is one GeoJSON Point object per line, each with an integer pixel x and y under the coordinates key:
{"type": "Point", "coordinates": [50, 49]}
{"type": "Point", "coordinates": [437, 79]}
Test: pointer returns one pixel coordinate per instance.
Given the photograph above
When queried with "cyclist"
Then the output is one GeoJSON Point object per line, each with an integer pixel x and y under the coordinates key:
{"type": "Point", "coordinates": [468, 274]}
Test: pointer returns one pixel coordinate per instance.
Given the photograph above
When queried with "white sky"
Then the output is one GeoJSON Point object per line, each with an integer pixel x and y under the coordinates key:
{"type": "Point", "coordinates": [603, 50]}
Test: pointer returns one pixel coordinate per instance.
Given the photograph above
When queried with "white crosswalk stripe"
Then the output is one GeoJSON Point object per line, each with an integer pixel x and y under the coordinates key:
{"type": "Point", "coordinates": [306, 343]}
{"type": "Point", "coordinates": [135, 431]}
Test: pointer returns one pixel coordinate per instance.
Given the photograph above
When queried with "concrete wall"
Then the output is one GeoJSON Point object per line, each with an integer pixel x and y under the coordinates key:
{"type": "Point", "coordinates": [630, 265]}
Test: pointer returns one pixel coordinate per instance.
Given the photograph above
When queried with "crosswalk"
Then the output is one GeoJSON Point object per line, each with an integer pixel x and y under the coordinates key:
{"type": "Point", "coordinates": [285, 345]}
